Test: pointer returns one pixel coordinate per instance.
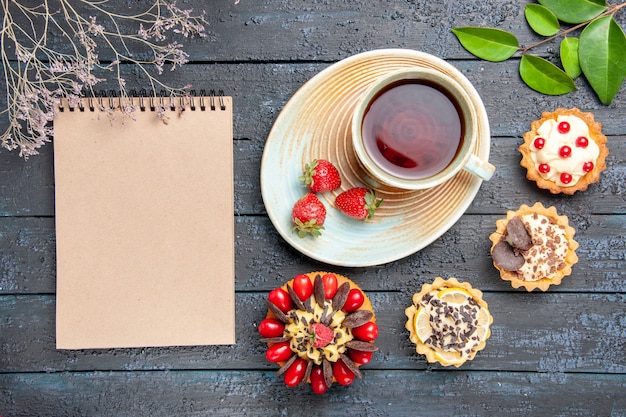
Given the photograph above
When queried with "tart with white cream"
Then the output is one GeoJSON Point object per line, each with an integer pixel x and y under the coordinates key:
{"type": "Point", "coordinates": [533, 247]}
{"type": "Point", "coordinates": [449, 322]}
{"type": "Point", "coordinates": [564, 151]}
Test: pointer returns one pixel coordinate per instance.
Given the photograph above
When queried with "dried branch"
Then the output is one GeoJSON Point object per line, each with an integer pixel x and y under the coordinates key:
{"type": "Point", "coordinates": [37, 76]}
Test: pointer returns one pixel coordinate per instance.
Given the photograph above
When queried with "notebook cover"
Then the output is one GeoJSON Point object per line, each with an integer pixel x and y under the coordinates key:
{"type": "Point", "coordinates": [144, 228]}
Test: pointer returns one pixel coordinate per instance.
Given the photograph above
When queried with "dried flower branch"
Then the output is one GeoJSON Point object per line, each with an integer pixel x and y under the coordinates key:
{"type": "Point", "coordinates": [39, 75]}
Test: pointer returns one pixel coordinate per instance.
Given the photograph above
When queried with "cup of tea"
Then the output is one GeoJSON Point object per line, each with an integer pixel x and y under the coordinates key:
{"type": "Point", "coordinates": [415, 128]}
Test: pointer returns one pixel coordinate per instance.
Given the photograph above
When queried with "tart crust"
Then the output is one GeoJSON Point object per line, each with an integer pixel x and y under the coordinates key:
{"type": "Point", "coordinates": [570, 258]}
{"type": "Point", "coordinates": [595, 133]}
{"type": "Point", "coordinates": [367, 305]}
{"type": "Point", "coordinates": [431, 354]}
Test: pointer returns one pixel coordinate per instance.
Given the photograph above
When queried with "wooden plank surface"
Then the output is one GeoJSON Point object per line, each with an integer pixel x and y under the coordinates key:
{"type": "Point", "coordinates": [235, 393]}
{"type": "Point", "coordinates": [270, 30]}
{"type": "Point", "coordinates": [265, 260]}
{"type": "Point", "coordinates": [559, 353]}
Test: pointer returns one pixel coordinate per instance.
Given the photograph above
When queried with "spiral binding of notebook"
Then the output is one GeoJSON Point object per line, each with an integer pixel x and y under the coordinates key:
{"type": "Point", "coordinates": [151, 101]}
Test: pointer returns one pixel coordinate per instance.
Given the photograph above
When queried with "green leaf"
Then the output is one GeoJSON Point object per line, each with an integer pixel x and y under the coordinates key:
{"type": "Point", "coordinates": [541, 19]}
{"type": "Point", "coordinates": [575, 11]}
{"type": "Point", "coordinates": [544, 77]}
{"type": "Point", "coordinates": [602, 54]}
{"type": "Point", "coordinates": [489, 44]}
{"type": "Point", "coordinates": [569, 57]}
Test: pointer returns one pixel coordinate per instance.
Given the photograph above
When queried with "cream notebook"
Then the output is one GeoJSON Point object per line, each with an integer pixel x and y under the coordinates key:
{"type": "Point", "coordinates": [144, 223]}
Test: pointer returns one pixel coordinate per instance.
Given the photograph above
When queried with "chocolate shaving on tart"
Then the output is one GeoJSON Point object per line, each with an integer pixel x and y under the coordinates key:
{"type": "Point", "coordinates": [362, 346]}
{"type": "Point", "coordinates": [308, 305]}
{"type": "Point", "coordinates": [277, 312]}
{"type": "Point", "coordinates": [318, 289]}
{"type": "Point", "coordinates": [351, 365]}
{"type": "Point", "coordinates": [327, 370]}
{"type": "Point", "coordinates": [295, 299]}
{"type": "Point", "coordinates": [326, 317]}
{"type": "Point", "coordinates": [307, 372]}
{"type": "Point", "coordinates": [339, 300]}
{"type": "Point", "coordinates": [358, 318]}
{"type": "Point", "coordinates": [275, 339]}
{"type": "Point", "coordinates": [286, 365]}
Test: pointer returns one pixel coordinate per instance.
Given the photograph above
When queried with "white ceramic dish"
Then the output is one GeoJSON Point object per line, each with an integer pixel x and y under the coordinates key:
{"type": "Point", "coordinates": [316, 123]}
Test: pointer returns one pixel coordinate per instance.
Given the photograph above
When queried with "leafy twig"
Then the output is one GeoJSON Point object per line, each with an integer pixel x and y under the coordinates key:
{"type": "Point", "coordinates": [599, 53]}
{"type": "Point", "coordinates": [611, 10]}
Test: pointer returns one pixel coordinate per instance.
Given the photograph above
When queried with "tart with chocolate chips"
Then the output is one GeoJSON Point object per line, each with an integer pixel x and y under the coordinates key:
{"type": "Point", "coordinates": [320, 329]}
{"type": "Point", "coordinates": [533, 247]}
{"type": "Point", "coordinates": [449, 322]}
{"type": "Point", "coordinates": [564, 151]}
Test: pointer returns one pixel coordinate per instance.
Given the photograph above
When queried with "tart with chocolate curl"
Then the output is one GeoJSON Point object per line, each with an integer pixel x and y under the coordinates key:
{"type": "Point", "coordinates": [533, 247]}
{"type": "Point", "coordinates": [564, 151]}
{"type": "Point", "coordinates": [449, 322]}
{"type": "Point", "coordinates": [320, 329]}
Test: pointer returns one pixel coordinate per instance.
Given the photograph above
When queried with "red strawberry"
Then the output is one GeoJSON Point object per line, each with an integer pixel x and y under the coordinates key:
{"type": "Point", "coordinates": [358, 202]}
{"type": "Point", "coordinates": [321, 335]}
{"type": "Point", "coordinates": [320, 176]}
{"type": "Point", "coordinates": [308, 215]}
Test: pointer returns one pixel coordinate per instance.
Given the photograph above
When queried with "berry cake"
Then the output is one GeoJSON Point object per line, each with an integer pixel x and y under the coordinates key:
{"type": "Point", "coordinates": [564, 151]}
{"type": "Point", "coordinates": [533, 247]}
{"type": "Point", "coordinates": [319, 328]}
{"type": "Point", "coordinates": [449, 322]}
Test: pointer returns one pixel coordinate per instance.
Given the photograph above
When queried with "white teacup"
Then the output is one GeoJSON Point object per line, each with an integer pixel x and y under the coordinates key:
{"type": "Point", "coordinates": [415, 128]}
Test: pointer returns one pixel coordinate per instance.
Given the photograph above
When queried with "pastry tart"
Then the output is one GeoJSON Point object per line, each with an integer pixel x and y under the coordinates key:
{"type": "Point", "coordinates": [533, 247]}
{"type": "Point", "coordinates": [449, 322]}
{"type": "Point", "coordinates": [564, 151]}
{"type": "Point", "coordinates": [320, 329]}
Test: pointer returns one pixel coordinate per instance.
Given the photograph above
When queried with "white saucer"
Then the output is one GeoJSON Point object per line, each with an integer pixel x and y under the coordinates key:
{"type": "Point", "coordinates": [315, 124]}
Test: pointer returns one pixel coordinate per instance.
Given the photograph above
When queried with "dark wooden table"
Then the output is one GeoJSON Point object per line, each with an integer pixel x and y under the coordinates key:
{"type": "Point", "coordinates": [558, 353]}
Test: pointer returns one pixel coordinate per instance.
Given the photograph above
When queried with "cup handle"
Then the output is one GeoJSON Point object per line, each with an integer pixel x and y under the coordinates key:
{"type": "Point", "coordinates": [482, 169]}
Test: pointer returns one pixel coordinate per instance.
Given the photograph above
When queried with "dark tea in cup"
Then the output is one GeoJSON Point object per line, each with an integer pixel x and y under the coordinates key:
{"type": "Point", "coordinates": [413, 129]}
